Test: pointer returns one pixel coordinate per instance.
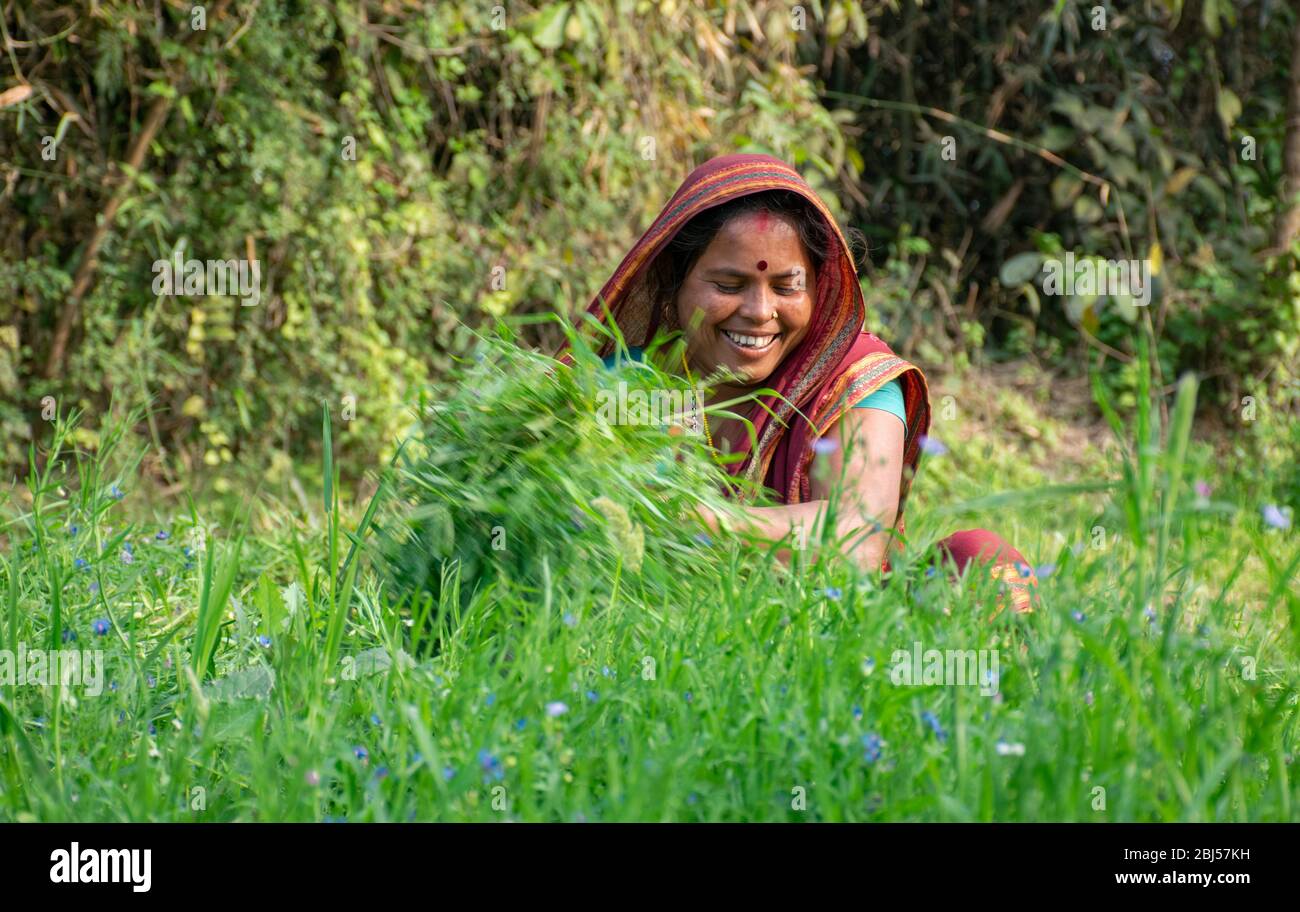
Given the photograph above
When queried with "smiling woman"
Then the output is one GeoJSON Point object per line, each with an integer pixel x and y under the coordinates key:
{"type": "Point", "coordinates": [748, 265]}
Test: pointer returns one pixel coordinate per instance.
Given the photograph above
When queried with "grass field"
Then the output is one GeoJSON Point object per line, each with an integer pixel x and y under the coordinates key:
{"type": "Point", "coordinates": [520, 626]}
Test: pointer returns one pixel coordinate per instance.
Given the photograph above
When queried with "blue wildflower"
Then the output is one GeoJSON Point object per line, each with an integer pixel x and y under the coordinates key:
{"type": "Point", "coordinates": [491, 765]}
{"type": "Point", "coordinates": [264, 641]}
{"type": "Point", "coordinates": [932, 720]}
{"type": "Point", "coordinates": [872, 746]}
{"type": "Point", "coordinates": [593, 696]}
{"type": "Point", "coordinates": [381, 772]}
{"type": "Point", "coordinates": [570, 620]}
{"type": "Point", "coordinates": [376, 721]}
{"type": "Point", "coordinates": [703, 539]}
{"type": "Point", "coordinates": [115, 492]}
{"type": "Point", "coordinates": [688, 696]}
{"type": "Point", "coordinates": [69, 636]}
{"type": "Point", "coordinates": [73, 530]}
{"type": "Point", "coordinates": [932, 447]}
{"type": "Point", "coordinates": [81, 563]}
{"type": "Point", "coordinates": [834, 593]}
{"type": "Point", "coordinates": [448, 773]}
{"type": "Point", "coordinates": [1079, 616]}
{"type": "Point", "coordinates": [361, 753]}
{"type": "Point", "coordinates": [521, 724]}
{"type": "Point", "coordinates": [556, 708]}
{"type": "Point", "coordinates": [490, 699]}
{"type": "Point", "coordinates": [857, 713]}
{"type": "Point", "coordinates": [1276, 518]}
{"type": "Point", "coordinates": [162, 535]}
{"type": "Point", "coordinates": [153, 729]}
{"type": "Point", "coordinates": [100, 626]}
{"type": "Point", "coordinates": [606, 671]}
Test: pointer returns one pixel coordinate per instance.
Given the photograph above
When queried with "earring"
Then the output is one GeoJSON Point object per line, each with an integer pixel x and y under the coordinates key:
{"type": "Point", "coordinates": [668, 315]}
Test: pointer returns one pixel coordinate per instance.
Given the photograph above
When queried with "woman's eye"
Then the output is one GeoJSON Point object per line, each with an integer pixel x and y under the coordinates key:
{"type": "Point", "coordinates": [786, 290]}
{"type": "Point", "coordinates": [726, 289]}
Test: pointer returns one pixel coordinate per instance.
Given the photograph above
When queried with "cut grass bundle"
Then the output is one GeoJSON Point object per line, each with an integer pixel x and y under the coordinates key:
{"type": "Point", "coordinates": [519, 475]}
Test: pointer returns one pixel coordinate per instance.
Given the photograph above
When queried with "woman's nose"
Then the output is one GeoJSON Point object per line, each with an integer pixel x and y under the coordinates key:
{"type": "Point", "coordinates": [759, 303]}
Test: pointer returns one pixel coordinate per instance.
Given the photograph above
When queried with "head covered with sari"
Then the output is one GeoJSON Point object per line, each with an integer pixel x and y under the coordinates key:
{"type": "Point", "coordinates": [835, 366]}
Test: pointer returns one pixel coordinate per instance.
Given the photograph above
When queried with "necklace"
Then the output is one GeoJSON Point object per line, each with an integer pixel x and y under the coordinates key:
{"type": "Point", "coordinates": [698, 398]}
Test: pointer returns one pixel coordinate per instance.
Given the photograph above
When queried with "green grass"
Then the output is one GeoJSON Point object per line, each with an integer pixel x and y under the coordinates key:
{"type": "Point", "coordinates": [520, 625]}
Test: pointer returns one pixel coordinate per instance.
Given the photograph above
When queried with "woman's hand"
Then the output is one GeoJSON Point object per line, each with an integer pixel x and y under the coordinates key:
{"type": "Point", "coordinates": [869, 481]}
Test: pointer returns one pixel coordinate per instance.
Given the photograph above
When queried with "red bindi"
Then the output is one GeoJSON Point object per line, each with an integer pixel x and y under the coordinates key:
{"type": "Point", "coordinates": [762, 265]}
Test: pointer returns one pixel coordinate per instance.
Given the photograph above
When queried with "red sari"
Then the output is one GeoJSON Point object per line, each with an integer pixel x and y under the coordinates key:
{"type": "Point", "coordinates": [836, 366]}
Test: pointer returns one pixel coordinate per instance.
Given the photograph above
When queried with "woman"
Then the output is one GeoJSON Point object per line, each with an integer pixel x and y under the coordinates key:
{"type": "Point", "coordinates": [747, 262]}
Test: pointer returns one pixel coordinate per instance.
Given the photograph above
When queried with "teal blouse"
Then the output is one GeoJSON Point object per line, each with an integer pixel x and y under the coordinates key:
{"type": "Point", "coordinates": [889, 398]}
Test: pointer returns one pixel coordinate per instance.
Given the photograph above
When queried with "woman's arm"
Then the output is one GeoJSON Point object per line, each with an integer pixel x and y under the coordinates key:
{"type": "Point", "coordinates": [868, 506]}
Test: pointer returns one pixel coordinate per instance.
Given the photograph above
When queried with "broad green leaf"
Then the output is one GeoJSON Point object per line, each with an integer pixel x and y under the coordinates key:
{"type": "Point", "coordinates": [1020, 269]}
{"type": "Point", "coordinates": [548, 31]}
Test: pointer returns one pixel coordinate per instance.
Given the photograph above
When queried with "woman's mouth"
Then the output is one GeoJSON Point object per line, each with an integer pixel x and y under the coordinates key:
{"type": "Point", "coordinates": [750, 343]}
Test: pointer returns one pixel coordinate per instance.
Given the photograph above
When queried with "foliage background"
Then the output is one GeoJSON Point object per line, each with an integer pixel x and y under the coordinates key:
{"type": "Point", "coordinates": [539, 139]}
{"type": "Point", "coordinates": [542, 137]}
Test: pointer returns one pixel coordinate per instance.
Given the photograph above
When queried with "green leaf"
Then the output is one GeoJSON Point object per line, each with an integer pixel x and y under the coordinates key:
{"type": "Point", "coordinates": [548, 31]}
{"type": "Point", "coordinates": [1056, 137]}
{"type": "Point", "coordinates": [165, 89]}
{"type": "Point", "coordinates": [1088, 210]}
{"type": "Point", "coordinates": [1229, 107]}
{"type": "Point", "coordinates": [1124, 307]}
{"type": "Point", "coordinates": [1020, 269]}
{"type": "Point", "coordinates": [1065, 189]}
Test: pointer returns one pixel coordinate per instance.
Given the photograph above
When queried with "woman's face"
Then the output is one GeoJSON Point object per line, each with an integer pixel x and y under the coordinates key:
{"type": "Point", "coordinates": [747, 301]}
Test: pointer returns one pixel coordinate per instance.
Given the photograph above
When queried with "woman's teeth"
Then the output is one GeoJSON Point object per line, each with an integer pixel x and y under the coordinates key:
{"type": "Point", "coordinates": [753, 343]}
